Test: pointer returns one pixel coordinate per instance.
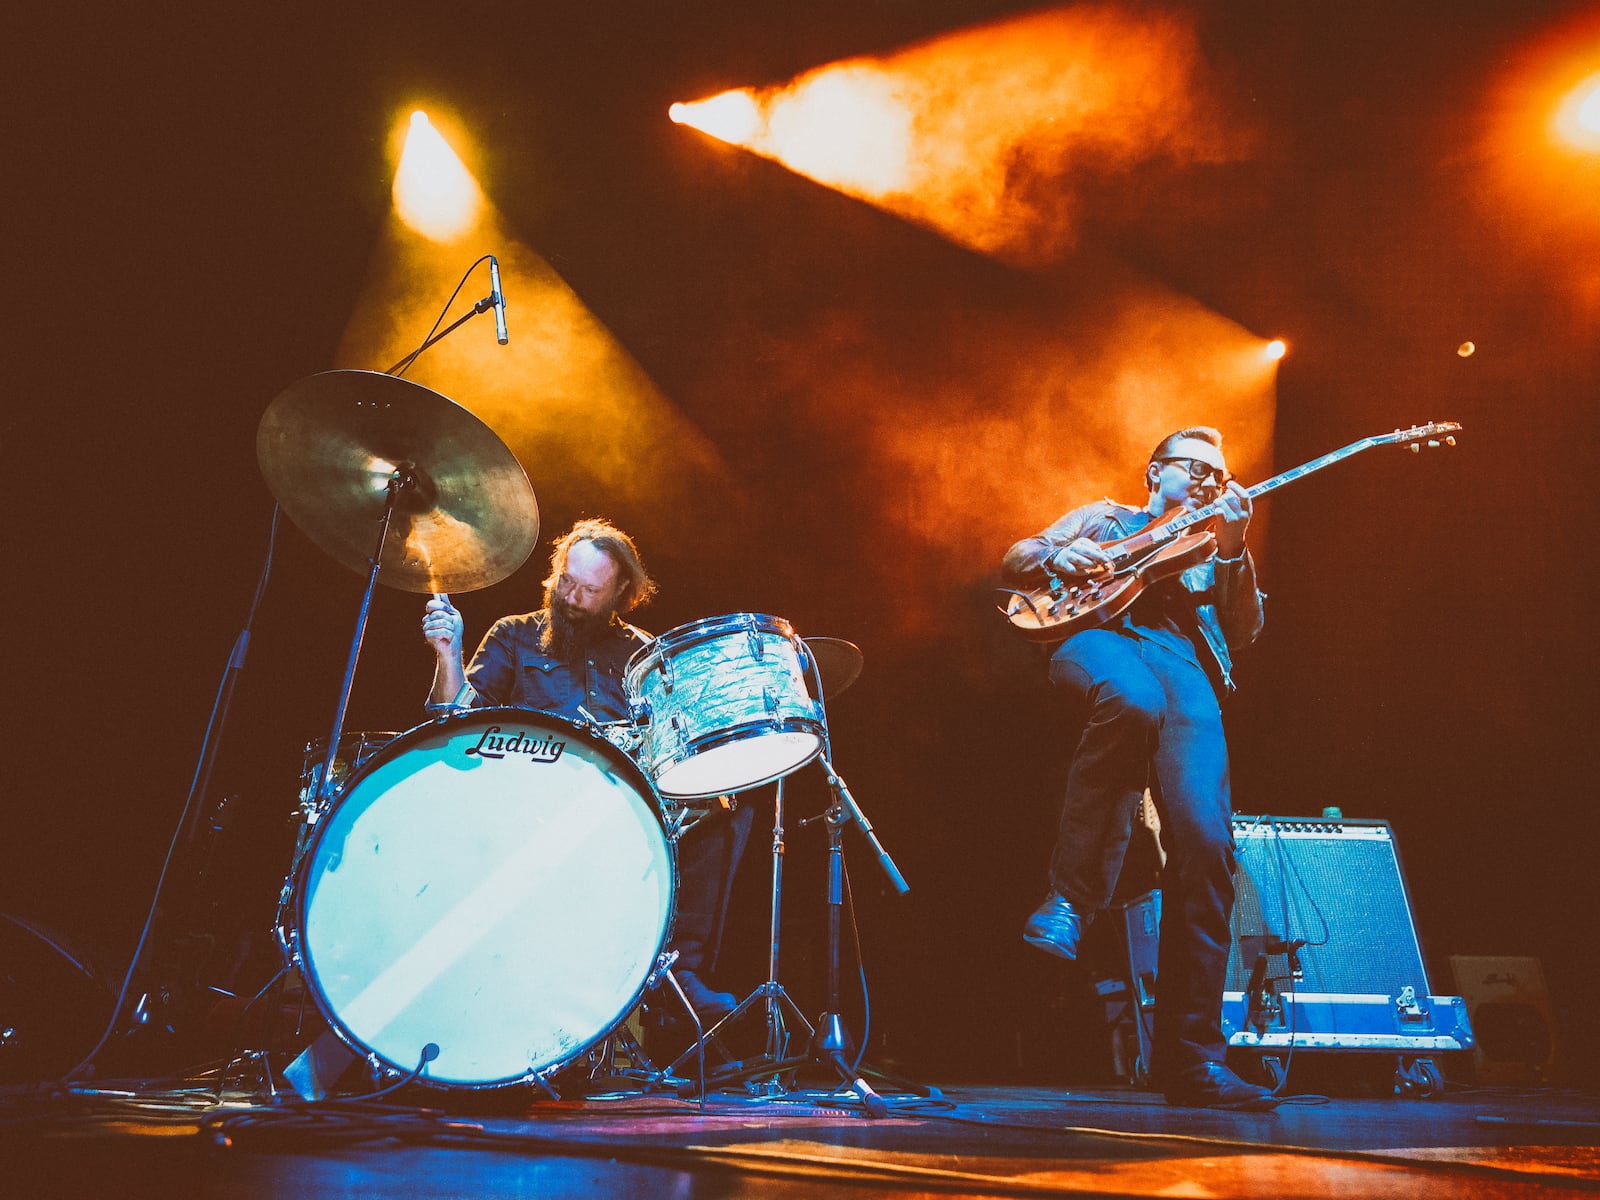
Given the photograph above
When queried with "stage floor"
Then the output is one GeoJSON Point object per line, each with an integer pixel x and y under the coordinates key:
{"type": "Point", "coordinates": [139, 1139]}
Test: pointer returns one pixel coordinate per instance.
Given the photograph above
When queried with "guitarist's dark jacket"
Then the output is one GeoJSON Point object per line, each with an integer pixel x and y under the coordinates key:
{"type": "Point", "coordinates": [1217, 599]}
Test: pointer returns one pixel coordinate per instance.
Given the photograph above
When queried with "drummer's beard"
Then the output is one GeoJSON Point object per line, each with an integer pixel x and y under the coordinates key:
{"type": "Point", "coordinates": [569, 632]}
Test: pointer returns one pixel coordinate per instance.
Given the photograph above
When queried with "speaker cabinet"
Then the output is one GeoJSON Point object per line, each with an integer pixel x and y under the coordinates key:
{"type": "Point", "coordinates": [1324, 948]}
{"type": "Point", "coordinates": [1512, 1015]}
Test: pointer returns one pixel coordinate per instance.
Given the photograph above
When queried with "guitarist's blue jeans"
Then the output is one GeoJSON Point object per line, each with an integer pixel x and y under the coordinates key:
{"type": "Point", "coordinates": [1152, 719]}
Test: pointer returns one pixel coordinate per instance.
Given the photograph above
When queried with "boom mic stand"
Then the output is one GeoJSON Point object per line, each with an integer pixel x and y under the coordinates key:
{"type": "Point", "coordinates": [831, 1042]}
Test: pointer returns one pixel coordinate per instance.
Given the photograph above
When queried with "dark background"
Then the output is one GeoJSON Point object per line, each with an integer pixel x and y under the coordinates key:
{"type": "Point", "coordinates": [193, 206]}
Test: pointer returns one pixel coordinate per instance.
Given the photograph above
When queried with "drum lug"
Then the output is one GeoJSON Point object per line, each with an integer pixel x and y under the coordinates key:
{"type": "Point", "coordinates": [680, 733]}
{"type": "Point", "coordinates": [666, 676]}
{"type": "Point", "coordinates": [758, 648]}
{"type": "Point", "coordinates": [771, 701]}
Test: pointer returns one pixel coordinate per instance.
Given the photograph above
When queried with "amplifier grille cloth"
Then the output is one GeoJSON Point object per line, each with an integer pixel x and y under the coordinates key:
{"type": "Point", "coordinates": [1354, 882]}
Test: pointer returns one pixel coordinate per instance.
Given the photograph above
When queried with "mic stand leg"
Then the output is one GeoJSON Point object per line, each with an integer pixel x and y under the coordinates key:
{"type": "Point", "coordinates": [831, 1045]}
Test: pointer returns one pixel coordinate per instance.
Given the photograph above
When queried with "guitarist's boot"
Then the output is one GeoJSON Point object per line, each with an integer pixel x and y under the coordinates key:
{"type": "Point", "coordinates": [1055, 927]}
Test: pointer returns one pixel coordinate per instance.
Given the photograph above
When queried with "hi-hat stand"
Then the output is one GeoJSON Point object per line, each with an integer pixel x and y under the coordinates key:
{"type": "Point", "coordinates": [827, 1043]}
{"type": "Point", "coordinates": [778, 1008]}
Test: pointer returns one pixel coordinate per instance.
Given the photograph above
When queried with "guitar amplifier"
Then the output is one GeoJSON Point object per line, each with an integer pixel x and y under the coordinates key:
{"type": "Point", "coordinates": [1324, 949]}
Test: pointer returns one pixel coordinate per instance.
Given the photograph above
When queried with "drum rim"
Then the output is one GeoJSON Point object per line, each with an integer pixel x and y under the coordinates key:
{"type": "Point", "coordinates": [311, 767]}
{"type": "Point", "coordinates": [298, 957]}
{"type": "Point", "coordinates": [743, 732]}
{"type": "Point", "coordinates": [695, 631]}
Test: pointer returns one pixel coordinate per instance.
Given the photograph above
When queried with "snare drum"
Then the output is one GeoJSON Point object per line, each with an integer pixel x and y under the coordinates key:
{"type": "Point", "coordinates": [496, 883]}
{"type": "Point", "coordinates": [723, 705]}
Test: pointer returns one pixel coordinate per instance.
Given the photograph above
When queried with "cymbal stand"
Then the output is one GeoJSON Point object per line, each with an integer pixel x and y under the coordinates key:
{"type": "Point", "coordinates": [320, 1062]}
{"type": "Point", "coordinates": [400, 478]}
{"type": "Point", "coordinates": [776, 1004]}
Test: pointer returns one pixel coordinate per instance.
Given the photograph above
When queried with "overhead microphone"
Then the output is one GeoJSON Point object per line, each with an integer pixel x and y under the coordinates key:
{"type": "Point", "coordinates": [498, 299]}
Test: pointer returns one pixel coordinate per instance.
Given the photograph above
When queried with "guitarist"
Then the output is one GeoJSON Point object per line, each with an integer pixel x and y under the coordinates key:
{"type": "Point", "coordinates": [1150, 681]}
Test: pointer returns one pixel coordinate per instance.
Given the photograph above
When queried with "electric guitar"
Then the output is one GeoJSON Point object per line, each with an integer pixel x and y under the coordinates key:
{"type": "Point", "coordinates": [1066, 604]}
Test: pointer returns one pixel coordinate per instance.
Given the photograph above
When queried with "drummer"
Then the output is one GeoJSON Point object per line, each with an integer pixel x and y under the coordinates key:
{"type": "Point", "coordinates": [568, 658]}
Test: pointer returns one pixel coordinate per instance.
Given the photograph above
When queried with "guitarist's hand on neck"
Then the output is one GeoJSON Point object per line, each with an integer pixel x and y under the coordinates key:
{"type": "Point", "coordinates": [1234, 502]}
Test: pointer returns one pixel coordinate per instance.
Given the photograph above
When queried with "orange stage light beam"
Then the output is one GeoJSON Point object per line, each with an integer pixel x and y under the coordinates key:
{"type": "Point", "coordinates": [434, 193]}
{"type": "Point", "coordinates": [1577, 117]}
{"type": "Point", "coordinates": [990, 135]}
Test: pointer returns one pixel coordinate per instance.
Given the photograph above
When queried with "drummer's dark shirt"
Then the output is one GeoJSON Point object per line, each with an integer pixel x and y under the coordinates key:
{"type": "Point", "coordinates": [511, 668]}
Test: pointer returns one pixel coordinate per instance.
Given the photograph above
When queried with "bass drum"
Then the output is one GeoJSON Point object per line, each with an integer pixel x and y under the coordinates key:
{"type": "Point", "coordinates": [496, 883]}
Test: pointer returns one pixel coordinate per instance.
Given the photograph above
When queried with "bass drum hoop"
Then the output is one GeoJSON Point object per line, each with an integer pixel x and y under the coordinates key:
{"type": "Point", "coordinates": [297, 951]}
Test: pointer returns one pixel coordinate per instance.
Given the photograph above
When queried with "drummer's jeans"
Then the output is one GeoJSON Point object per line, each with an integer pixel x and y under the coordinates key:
{"type": "Point", "coordinates": [708, 855]}
{"type": "Point", "coordinates": [1152, 719]}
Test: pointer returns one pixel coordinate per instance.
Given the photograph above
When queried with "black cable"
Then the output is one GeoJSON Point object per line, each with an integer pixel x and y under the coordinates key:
{"type": "Point", "coordinates": [1286, 865]}
{"type": "Point", "coordinates": [235, 662]}
{"type": "Point", "coordinates": [404, 365]}
{"type": "Point", "coordinates": [861, 969]}
{"type": "Point", "coordinates": [428, 1054]}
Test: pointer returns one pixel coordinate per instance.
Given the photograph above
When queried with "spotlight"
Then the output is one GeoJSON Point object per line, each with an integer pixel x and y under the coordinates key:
{"type": "Point", "coordinates": [1589, 111]}
{"type": "Point", "coordinates": [1276, 349]}
{"type": "Point", "coordinates": [433, 192]}
{"type": "Point", "coordinates": [1578, 117]}
{"type": "Point", "coordinates": [732, 117]}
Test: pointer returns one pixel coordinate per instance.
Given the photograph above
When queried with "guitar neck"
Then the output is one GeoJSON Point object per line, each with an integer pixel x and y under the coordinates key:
{"type": "Point", "coordinates": [1188, 520]}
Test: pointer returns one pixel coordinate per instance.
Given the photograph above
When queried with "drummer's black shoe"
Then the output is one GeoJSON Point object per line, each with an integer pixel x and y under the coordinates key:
{"type": "Point", "coordinates": [1055, 927]}
{"type": "Point", "coordinates": [710, 1006]}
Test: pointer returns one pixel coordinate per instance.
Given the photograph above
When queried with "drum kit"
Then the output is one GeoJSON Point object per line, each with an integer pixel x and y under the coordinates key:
{"type": "Point", "coordinates": [484, 899]}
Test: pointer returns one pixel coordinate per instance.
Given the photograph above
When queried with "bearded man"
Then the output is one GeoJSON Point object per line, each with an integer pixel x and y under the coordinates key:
{"type": "Point", "coordinates": [568, 658]}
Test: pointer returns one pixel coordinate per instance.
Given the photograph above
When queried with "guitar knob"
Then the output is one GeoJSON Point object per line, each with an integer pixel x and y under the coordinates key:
{"type": "Point", "coordinates": [1450, 441]}
{"type": "Point", "coordinates": [1415, 448]}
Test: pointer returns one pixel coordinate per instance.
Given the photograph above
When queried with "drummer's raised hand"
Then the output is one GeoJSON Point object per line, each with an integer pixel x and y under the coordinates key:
{"type": "Point", "coordinates": [443, 627]}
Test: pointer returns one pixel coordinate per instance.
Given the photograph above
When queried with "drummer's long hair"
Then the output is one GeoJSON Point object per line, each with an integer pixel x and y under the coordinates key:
{"type": "Point", "coordinates": [637, 587]}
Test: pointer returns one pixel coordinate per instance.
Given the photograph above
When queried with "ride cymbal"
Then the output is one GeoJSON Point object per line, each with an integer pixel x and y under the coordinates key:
{"type": "Point", "coordinates": [465, 517]}
{"type": "Point", "coordinates": [838, 662]}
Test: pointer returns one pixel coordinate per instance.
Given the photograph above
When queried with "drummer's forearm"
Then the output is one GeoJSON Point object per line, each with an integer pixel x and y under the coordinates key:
{"type": "Point", "coordinates": [448, 680]}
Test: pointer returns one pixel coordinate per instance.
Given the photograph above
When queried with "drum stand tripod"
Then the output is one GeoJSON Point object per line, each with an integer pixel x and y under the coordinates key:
{"type": "Point", "coordinates": [827, 1042]}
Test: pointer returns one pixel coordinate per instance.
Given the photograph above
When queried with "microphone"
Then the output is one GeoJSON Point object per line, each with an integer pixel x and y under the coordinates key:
{"type": "Point", "coordinates": [498, 299]}
{"type": "Point", "coordinates": [1258, 996]}
{"type": "Point", "coordinates": [1292, 948]}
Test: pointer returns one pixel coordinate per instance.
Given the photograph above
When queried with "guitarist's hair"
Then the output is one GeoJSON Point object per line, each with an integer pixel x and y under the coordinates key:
{"type": "Point", "coordinates": [1199, 433]}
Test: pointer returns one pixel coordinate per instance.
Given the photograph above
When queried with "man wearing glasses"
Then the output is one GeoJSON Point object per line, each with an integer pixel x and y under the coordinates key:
{"type": "Point", "coordinates": [1149, 684]}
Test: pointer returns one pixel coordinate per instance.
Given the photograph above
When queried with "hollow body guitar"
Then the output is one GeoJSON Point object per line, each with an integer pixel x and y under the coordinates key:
{"type": "Point", "coordinates": [1066, 604]}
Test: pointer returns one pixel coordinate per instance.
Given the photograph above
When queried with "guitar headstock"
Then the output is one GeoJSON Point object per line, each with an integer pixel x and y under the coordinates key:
{"type": "Point", "coordinates": [1433, 435]}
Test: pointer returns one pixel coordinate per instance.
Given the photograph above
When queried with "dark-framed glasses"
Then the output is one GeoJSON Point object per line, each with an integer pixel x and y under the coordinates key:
{"type": "Point", "coordinates": [1200, 471]}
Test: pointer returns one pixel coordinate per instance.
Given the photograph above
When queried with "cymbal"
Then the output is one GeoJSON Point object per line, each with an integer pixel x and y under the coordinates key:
{"type": "Point", "coordinates": [328, 446]}
{"type": "Point", "coordinates": [838, 662]}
